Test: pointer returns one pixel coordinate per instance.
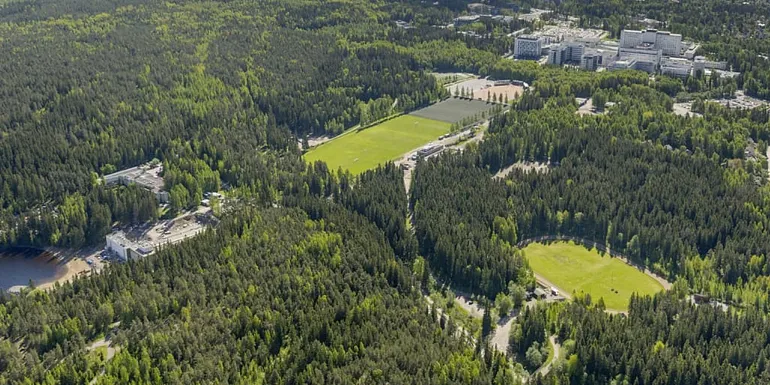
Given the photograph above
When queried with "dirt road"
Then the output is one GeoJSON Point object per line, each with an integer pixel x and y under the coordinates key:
{"type": "Point", "coordinates": [499, 338]}
{"type": "Point", "coordinates": [461, 331]}
{"type": "Point", "coordinates": [556, 354]}
{"type": "Point", "coordinates": [527, 167]}
{"type": "Point", "coordinates": [768, 162]}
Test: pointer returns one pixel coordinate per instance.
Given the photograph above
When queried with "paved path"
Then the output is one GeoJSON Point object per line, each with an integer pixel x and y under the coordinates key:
{"type": "Point", "coordinates": [767, 154]}
{"type": "Point", "coordinates": [556, 353]}
{"type": "Point", "coordinates": [500, 335]}
{"type": "Point", "coordinates": [473, 308]}
{"type": "Point", "coordinates": [461, 331]}
{"type": "Point", "coordinates": [527, 167]}
{"type": "Point", "coordinates": [111, 351]}
{"type": "Point", "coordinates": [103, 342]}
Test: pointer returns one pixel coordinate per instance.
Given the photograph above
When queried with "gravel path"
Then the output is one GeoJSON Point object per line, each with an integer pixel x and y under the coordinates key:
{"type": "Point", "coordinates": [556, 353]}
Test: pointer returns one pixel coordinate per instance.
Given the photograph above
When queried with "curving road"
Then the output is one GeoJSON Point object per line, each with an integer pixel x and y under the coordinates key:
{"type": "Point", "coordinates": [767, 153]}
{"type": "Point", "coordinates": [556, 353]}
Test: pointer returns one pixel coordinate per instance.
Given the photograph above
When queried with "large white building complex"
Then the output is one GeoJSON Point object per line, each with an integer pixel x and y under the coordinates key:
{"type": "Point", "coordinates": [648, 50]}
{"type": "Point", "coordinates": [670, 44]}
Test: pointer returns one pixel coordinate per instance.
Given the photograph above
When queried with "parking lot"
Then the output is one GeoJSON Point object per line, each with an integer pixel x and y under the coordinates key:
{"type": "Point", "coordinates": [175, 230]}
{"type": "Point", "coordinates": [472, 85]}
{"type": "Point", "coordinates": [741, 101]}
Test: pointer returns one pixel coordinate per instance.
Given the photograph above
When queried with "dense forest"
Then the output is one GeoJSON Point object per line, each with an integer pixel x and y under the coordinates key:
{"type": "Point", "coordinates": [271, 296]}
{"type": "Point", "coordinates": [318, 276]}
{"type": "Point", "coordinates": [464, 229]}
{"type": "Point", "coordinates": [317, 293]}
{"type": "Point", "coordinates": [94, 87]}
{"type": "Point", "coordinates": [662, 340]}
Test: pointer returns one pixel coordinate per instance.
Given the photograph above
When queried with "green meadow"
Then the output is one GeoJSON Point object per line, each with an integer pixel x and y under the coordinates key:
{"type": "Point", "coordinates": [362, 150]}
{"type": "Point", "coordinates": [575, 268]}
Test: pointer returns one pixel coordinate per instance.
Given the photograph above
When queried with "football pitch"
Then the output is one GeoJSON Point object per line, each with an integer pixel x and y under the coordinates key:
{"type": "Point", "coordinates": [359, 151]}
{"type": "Point", "coordinates": [572, 267]}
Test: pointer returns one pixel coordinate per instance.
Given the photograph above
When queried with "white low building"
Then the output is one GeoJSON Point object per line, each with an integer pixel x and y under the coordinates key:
{"type": "Point", "coordinates": [669, 43]}
{"type": "Point", "coordinates": [125, 248]}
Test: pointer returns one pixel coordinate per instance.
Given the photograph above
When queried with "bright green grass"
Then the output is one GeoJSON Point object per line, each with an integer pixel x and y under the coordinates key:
{"type": "Point", "coordinates": [99, 354]}
{"type": "Point", "coordinates": [364, 150]}
{"type": "Point", "coordinates": [575, 268]}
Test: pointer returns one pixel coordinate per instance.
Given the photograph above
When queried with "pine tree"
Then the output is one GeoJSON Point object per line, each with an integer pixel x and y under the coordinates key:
{"type": "Point", "coordinates": [486, 322]}
{"type": "Point", "coordinates": [425, 279]}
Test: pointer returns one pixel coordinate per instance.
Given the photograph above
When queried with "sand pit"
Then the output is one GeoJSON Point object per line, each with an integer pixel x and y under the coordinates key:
{"type": "Point", "coordinates": [71, 269]}
{"type": "Point", "coordinates": [512, 91]}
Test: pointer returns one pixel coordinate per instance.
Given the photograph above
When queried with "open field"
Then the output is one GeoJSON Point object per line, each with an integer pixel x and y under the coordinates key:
{"type": "Point", "coordinates": [453, 110]}
{"type": "Point", "coordinates": [573, 267]}
{"type": "Point", "coordinates": [471, 85]}
{"type": "Point", "coordinates": [513, 92]}
{"type": "Point", "coordinates": [363, 150]}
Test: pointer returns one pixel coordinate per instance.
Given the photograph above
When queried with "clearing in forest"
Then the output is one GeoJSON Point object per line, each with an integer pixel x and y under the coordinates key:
{"type": "Point", "coordinates": [454, 110]}
{"type": "Point", "coordinates": [362, 150]}
{"type": "Point", "coordinates": [511, 91]}
{"type": "Point", "coordinates": [573, 267]}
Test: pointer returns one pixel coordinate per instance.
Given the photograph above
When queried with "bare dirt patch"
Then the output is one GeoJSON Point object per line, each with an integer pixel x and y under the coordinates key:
{"type": "Point", "coordinates": [527, 167]}
{"type": "Point", "coordinates": [73, 268]}
{"type": "Point", "coordinates": [511, 91]}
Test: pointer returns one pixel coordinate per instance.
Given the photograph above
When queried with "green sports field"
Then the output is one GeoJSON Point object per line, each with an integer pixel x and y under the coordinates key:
{"type": "Point", "coordinates": [358, 151]}
{"type": "Point", "coordinates": [573, 267]}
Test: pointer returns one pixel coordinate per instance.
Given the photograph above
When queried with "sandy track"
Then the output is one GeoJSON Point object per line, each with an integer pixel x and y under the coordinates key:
{"type": "Point", "coordinates": [73, 268]}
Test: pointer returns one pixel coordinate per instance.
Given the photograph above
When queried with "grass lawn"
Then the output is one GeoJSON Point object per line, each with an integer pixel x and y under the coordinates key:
{"type": "Point", "coordinates": [364, 150]}
{"type": "Point", "coordinates": [575, 268]}
{"type": "Point", "coordinates": [99, 354]}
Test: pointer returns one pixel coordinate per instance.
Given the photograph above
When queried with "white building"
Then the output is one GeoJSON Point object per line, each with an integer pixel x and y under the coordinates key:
{"type": "Point", "coordinates": [669, 43]}
{"type": "Point", "coordinates": [645, 59]}
{"type": "Point", "coordinates": [528, 47]}
{"type": "Point", "coordinates": [676, 67]}
{"type": "Point", "coordinates": [590, 62]}
{"type": "Point", "coordinates": [555, 55]}
{"type": "Point", "coordinates": [125, 248]}
{"type": "Point", "coordinates": [146, 176]}
{"type": "Point", "coordinates": [712, 65]}
{"type": "Point", "coordinates": [624, 65]}
{"type": "Point", "coordinates": [566, 53]}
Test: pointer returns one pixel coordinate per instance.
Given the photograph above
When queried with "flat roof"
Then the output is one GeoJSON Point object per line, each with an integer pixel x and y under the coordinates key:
{"type": "Point", "coordinates": [146, 176]}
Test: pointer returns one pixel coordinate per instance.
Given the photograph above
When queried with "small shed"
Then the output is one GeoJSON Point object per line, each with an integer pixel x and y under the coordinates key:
{"type": "Point", "coordinates": [540, 293]}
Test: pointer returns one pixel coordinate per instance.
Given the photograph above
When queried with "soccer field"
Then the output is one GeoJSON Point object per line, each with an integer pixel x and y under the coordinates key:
{"type": "Point", "coordinates": [364, 150]}
{"type": "Point", "coordinates": [573, 267]}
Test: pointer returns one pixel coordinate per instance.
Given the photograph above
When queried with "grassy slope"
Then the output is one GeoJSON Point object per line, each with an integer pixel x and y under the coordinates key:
{"type": "Point", "coordinates": [366, 149]}
{"type": "Point", "coordinates": [575, 268]}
